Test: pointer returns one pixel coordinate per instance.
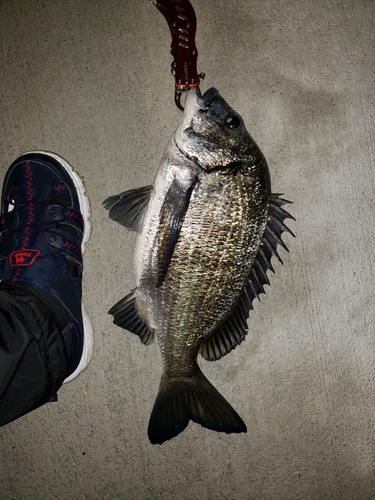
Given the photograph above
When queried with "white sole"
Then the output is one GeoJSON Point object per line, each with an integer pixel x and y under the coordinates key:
{"type": "Point", "coordinates": [88, 335]}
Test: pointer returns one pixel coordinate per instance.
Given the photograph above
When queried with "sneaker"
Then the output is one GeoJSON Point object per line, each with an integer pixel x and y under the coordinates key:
{"type": "Point", "coordinates": [44, 227]}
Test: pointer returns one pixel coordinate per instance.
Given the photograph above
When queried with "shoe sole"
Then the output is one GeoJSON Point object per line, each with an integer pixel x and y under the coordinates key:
{"type": "Point", "coordinates": [88, 336]}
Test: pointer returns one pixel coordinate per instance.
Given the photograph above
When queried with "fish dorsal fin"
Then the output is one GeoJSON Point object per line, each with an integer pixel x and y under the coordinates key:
{"type": "Point", "coordinates": [172, 215]}
{"type": "Point", "coordinates": [129, 208]}
{"type": "Point", "coordinates": [233, 329]}
{"type": "Point", "coordinates": [125, 315]}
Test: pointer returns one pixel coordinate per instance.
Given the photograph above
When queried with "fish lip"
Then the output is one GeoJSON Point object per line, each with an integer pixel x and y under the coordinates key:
{"type": "Point", "coordinates": [205, 101]}
{"type": "Point", "coordinates": [194, 101]}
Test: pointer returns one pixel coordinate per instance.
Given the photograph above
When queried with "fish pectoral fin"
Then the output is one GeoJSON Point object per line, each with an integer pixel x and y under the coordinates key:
{"type": "Point", "coordinates": [129, 208]}
{"type": "Point", "coordinates": [232, 331]}
{"type": "Point", "coordinates": [172, 215]}
{"type": "Point", "coordinates": [125, 315]}
{"type": "Point", "coordinates": [181, 400]}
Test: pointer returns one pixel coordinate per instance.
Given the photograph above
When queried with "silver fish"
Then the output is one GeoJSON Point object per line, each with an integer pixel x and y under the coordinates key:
{"type": "Point", "coordinates": [207, 230]}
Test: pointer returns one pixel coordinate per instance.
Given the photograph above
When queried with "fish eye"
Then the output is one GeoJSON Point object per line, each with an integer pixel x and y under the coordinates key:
{"type": "Point", "coordinates": [233, 122]}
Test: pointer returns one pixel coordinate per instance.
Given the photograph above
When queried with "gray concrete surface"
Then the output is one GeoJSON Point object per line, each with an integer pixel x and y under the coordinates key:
{"type": "Point", "coordinates": [89, 80]}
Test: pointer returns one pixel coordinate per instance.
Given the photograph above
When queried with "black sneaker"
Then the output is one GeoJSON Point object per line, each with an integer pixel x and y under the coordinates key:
{"type": "Point", "coordinates": [44, 228]}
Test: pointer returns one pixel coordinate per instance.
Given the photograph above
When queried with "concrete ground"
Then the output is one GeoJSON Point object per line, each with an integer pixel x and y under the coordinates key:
{"type": "Point", "coordinates": [90, 80]}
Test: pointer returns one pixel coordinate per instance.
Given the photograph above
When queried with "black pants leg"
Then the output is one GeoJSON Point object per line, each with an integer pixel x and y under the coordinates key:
{"type": "Point", "coordinates": [33, 361]}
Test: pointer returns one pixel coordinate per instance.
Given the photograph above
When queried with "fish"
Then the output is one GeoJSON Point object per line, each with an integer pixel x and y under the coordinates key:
{"type": "Point", "coordinates": [207, 230]}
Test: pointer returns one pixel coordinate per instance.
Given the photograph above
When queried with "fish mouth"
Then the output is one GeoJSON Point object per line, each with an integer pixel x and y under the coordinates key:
{"type": "Point", "coordinates": [205, 101]}
{"type": "Point", "coordinates": [194, 103]}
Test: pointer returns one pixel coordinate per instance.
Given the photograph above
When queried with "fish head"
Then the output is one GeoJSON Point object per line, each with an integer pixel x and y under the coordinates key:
{"type": "Point", "coordinates": [211, 133]}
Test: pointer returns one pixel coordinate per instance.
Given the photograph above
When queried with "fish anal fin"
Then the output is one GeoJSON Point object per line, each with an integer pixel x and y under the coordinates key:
{"type": "Point", "coordinates": [129, 208]}
{"type": "Point", "coordinates": [181, 400]}
{"type": "Point", "coordinates": [172, 215]}
{"type": "Point", "coordinates": [125, 315]}
{"type": "Point", "coordinates": [232, 331]}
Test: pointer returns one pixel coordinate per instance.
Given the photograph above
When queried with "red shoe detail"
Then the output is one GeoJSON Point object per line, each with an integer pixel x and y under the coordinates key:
{"type": "Point", "coordinates": [25, 257]}
{"type": "Point", "coordinates": [30, 205]}
{"type": "Point", "coordinates": [69, 213]}
{"type": "Point", "coordinates": [72, 246]}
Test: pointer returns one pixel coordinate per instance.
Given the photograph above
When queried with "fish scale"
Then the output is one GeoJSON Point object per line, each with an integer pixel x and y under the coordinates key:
{"type": "Point", "coordinates": [216, 268]}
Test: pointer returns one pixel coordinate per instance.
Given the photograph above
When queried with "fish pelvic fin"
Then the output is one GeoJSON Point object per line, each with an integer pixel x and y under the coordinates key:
{"type": "Point", "coordinates": [125, 314]}
{"type": "Point", "coordinates": [183, 399]}
{"type": "Point", "coordinates": [129, 208]}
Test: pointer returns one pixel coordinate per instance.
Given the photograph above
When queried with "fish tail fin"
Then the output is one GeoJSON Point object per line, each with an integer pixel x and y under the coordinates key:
{"type": "Point", "coordinates": [181, 400]}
